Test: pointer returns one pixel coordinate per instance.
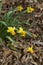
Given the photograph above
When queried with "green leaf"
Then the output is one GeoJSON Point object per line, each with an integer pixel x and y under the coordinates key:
{"type": "Point", "coordinates": [2, 22]}
{"type": "Point", "coordinates": [10, 39]}
{"type": "Point", "coordinates": [8, 14]}
{"type": "Point", "coordinates": [1, 41]}
{"type": "Point", "coordinates": [0, 6]}
{"type": "Point", "coordinates": [13, 48]}
{"type": "Point", "coordinates": [29, 34]}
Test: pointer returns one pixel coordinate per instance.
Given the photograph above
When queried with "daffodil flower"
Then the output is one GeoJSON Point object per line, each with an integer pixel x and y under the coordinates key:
{"type": "Point", "coordinates": [22, 32]}
{"type": "Point", "coordinates": [19, 8]}
{"type": "Point", "coordinates": [30, 9]}
{"type": "Point", "coordinates": [30, 49]}
{"type": "Point", "coordinates": [11, 30]}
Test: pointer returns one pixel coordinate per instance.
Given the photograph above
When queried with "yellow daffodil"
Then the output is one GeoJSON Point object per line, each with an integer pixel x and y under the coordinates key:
{"type": "Point", "coordinates": [19, 8]}
{"type": "Point", "coordinates": [30, 49]}
{"type": "Point", "coordinates": [30, 9]}
{"type": "Point", "coordinates": [22, 32]}
{"type": "Point", "coordinates": [34, 35]}
{"type": "Point", "coordinates": [11, 30]}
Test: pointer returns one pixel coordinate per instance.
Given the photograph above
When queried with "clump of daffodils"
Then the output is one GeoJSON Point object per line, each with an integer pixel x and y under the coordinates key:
{"type": "Point", "coordinates": [19, 8]}
{"type": "Point", "coordinates": [22, 32]}
{"type": "Point", "coordinates": [30, 9]}
{"type": "Point", "coordinates": [11, 30]}
{"type": "Point", "coordinates": [30, 49]}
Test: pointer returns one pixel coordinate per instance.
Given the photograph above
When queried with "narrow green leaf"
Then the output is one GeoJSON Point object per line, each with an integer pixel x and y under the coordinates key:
{"type": "Point", "coordinates": [13, 48]}
{"type": "Point", "coordinates": [10, 39]}
{"type": "Point", "coordinates": [0, 6]}
{"type": "Point", "coordinates": [29, 34]}
{"type": "Point", "coordinates": [9, 13]}
{"type": "Point", "coordinates": [1, 41]}
{"type": "Point", "coordinates": [2, 22]}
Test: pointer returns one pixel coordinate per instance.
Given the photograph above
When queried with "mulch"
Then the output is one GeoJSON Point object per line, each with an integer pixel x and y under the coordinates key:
{"type": "Point", "coordinates": [20, 56]}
